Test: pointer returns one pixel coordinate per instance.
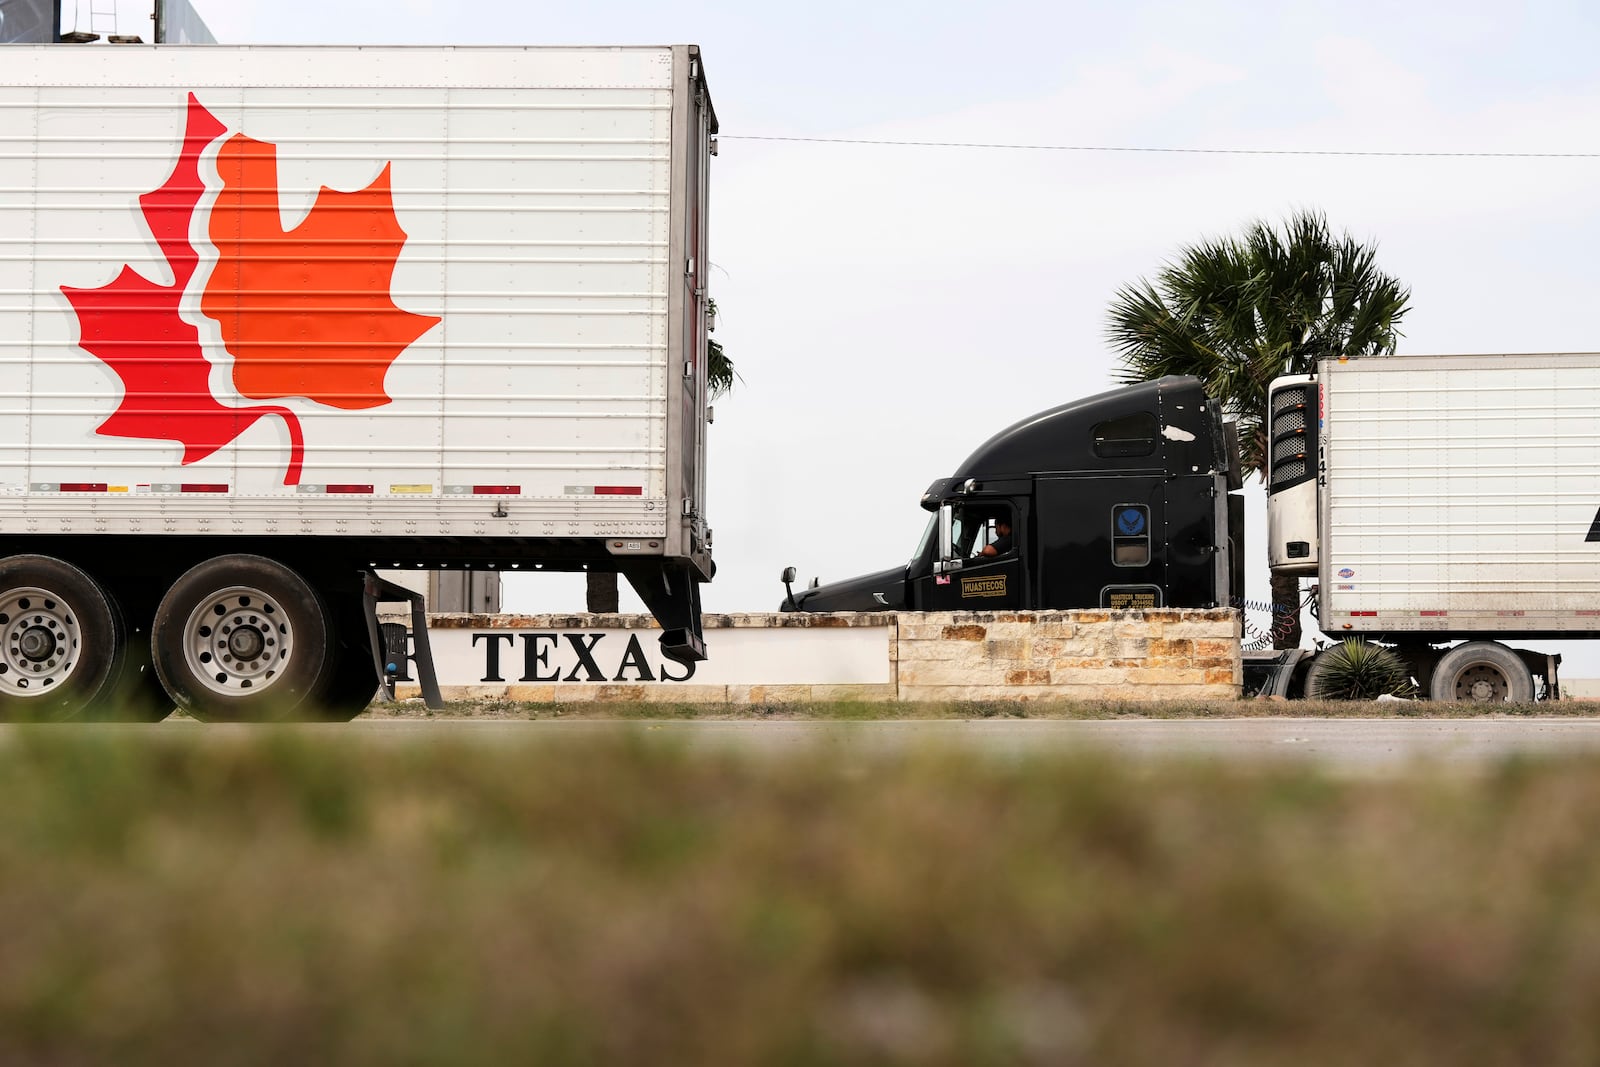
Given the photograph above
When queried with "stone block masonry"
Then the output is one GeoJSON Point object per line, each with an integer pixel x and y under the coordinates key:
{"type": "Point", "coordinates": [1063, 655]}
{"type": "Point", "coordinates": [1161, 654]}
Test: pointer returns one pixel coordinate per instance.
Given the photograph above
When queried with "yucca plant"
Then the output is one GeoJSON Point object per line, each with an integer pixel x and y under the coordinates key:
{"type": "Point", "coordinates": [1357, 670]}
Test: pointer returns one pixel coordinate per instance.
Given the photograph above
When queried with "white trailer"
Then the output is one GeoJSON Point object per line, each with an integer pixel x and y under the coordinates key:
{"type": "Point", "coordinates": [1441, 499]}
{"type": "Point", "coordinates": [273, 317]}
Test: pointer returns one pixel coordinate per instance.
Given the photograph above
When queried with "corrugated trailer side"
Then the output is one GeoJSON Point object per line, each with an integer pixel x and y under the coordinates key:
{"type": "Point", "coordinates": [1459, 494]}
{"type": "Point", "coordinates": [343, 307]}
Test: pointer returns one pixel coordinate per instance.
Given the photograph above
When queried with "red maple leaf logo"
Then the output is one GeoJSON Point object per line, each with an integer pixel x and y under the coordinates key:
{"type": "Point", "coordinates": [304, 314]}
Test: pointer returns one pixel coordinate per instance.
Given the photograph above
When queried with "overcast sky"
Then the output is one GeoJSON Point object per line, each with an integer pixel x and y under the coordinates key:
{"type": "Point", "coordinates": [888, 308]}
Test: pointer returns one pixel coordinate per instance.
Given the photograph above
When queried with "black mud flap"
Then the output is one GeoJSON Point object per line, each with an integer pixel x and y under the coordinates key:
{"type": "Point", "coordinates": [1270, 672]}
{"type": "Point", "coordinates": [379, 590]}
{"type": "Point", "coordinates": [672, 593]}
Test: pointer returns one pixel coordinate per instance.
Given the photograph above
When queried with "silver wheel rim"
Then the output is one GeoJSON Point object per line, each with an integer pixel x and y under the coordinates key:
{"type": "Point", "coordinates": [237, 641]}
{"type": "Point", "coordinates": [39, 642]}
{"type": "Point", "coordinates": [1482, 684]}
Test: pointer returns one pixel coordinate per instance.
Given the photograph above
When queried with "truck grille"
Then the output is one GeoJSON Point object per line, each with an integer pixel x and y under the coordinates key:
{"type": "Point", "coordinates": [1291, 448]}
{"type": "Point", "coordinates": [1286, 473]}
{"type": "Point", "coordinates": [1293, 435]}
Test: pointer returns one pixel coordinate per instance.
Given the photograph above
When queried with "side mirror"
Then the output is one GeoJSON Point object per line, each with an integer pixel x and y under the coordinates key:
{"type": "Point", "coordinates": [788, 589]}
{"type": "Point", "coordinates": [944, 560]}
{"type": "Point", "coordinates": [788, 575]}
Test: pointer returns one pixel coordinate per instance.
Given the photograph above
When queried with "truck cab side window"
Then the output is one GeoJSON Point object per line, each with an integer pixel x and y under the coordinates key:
{"type": "Point", "coordinates": [1130, 435]}
{"type": "Point", "coordinates": [975, 530]}
{"type": "Point", "coordinates": [961, 530]}
{"type": "Point", "coordinates": [998, 537]}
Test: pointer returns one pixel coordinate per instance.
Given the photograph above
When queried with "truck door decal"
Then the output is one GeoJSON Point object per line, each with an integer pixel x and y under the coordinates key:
{"type": "Point", "coordinates": [304, 313]}
{"type": "Point", "coordinates": [1131, 597]}
{"type": "Point", "coordinates": [983, 586]}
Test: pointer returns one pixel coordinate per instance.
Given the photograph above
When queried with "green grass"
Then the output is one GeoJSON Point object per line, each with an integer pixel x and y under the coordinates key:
{"type": "Point", "coordinates": [863, 710]}
{"type": "Point", "coordinates": [218, 897]}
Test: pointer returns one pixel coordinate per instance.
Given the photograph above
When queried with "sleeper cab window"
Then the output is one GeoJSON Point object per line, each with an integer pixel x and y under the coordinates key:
{"type": "Point", "coordinates": [1130, 435]}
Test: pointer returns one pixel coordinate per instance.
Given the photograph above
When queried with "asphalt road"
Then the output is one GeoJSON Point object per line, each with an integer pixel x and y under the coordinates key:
{"type": "Point", "coordinates": [1347, 745]}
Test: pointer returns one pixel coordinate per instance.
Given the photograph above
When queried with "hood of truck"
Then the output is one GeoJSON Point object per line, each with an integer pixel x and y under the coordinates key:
{"type": "Point", "coordinates": [854, 594]}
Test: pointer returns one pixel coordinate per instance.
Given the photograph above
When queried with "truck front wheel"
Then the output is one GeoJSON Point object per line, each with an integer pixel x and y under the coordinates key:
{"type": "Point", "coordinates": [241, 638]}
{"type": "Point", "coordinates": [1481, 672]}
{"type": "Point", "coordinates": [60, 640]}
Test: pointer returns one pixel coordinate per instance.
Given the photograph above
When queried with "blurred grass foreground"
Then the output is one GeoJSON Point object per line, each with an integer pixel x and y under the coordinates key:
{"type": "Point", "coordinates": [297, 898]}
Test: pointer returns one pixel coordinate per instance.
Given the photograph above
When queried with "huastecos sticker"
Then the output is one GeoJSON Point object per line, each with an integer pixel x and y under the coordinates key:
{"type": "Point", "coordinates": [989, 585]}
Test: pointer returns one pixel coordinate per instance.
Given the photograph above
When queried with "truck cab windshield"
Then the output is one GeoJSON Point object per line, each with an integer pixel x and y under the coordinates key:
{"type": "Point", "coordinates": [929, 532]}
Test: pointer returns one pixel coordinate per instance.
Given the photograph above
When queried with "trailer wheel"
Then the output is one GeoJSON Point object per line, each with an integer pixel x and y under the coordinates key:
{"type": "Point", "coordinates": [354, 683]}
{"type": "Point", "coordinates": [1315, 673]}
{"type": "Point", "coordinates": [61, 640]}
{"type": "Point", "coordinates": [352, 673]}
{"type": "Point", "coordinates": [1481, 672]}
{"type": "Point", "coordinates": [241, 638]}
{"type": "Point", "coordinates": [139, 696]}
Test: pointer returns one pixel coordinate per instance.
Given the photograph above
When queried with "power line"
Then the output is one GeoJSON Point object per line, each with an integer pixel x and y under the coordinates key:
{"type": "Point", "coordinates": [1172, 151]}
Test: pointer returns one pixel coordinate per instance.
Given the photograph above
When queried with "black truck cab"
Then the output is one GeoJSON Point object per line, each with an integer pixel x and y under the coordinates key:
{"type": "Point", "coordinates": [1120, 500]}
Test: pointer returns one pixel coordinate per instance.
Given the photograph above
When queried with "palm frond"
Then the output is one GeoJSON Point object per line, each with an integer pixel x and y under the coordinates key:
{"type": "Point", "coordinates": [720, 372]}
{"type": "Point", "coordinates": [1238, 313]}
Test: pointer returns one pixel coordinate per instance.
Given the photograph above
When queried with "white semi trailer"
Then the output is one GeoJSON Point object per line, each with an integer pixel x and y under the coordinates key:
{"type": "Point", "coordinates": [1447, 506]}
{"type": "Point", "coordinates": [272, 318]}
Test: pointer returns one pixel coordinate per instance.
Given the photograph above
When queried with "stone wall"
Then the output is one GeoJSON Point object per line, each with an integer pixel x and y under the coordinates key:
{"type": "Point", "coordinates": [822, 680]}
{"type": "Point", "coordinates": [1062, 655]}
{"type": "Point", "coordinates": [1162, 654]}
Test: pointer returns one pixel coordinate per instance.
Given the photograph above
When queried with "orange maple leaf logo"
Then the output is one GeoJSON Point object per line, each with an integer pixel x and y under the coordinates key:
{"type": "Point", "coordinates": [304, 313]}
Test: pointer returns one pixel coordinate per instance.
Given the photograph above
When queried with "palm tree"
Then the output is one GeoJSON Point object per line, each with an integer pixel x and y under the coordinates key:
{"type": "Point", "coordinates": [720, 374]}
{"type": "Point", "coordinates": [601, 588]}
{"type": "Point", "coordinates": [1238, 312]}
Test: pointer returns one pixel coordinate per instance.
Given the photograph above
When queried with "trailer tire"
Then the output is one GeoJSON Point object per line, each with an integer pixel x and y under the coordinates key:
{"type": "Point", "coordinates": [140, 696]}
{"type": "Point", "coordinates": [353, 679]}
{"type": "Point", "coordinates": [353, 686]}
{"type": "Point", "coordinates": [241, 639]}
{"type": "Point", "coordinates": [1481, 672]}
{"type": "Point", "coordinates": [61, 640]}
{"type": "Point", "coordinates": [1320, 664]}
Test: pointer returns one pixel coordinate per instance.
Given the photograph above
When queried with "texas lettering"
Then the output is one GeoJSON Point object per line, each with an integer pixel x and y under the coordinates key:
{"type": "Point", "coordinates": [572, 657]}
